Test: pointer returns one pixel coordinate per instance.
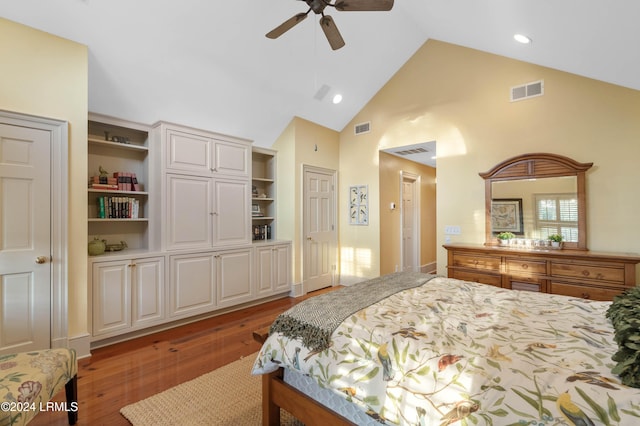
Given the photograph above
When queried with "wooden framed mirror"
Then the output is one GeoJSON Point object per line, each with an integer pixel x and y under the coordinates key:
{"type": "Point", "coordinates": [536, 195]}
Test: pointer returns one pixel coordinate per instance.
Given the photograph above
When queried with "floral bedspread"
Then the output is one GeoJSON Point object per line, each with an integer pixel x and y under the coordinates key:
{"type": "Point", "coordinates": [454, 351]}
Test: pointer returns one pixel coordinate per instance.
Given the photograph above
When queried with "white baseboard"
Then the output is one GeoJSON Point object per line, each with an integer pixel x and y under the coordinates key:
{"type": "Point", "coordinates": [82, 345]}
{"type": "Point", "coordinates": [429, 268]}
{"type": "Point", "coordinates": [297, 290]}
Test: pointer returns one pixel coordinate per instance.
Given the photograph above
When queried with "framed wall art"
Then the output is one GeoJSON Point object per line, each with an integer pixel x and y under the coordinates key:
{"type": "Point", "coordinates": [506, 215]}
{"type": "Point", "coordinates": [359, 205]}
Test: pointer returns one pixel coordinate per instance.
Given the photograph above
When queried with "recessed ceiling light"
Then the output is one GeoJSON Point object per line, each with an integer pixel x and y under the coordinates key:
{"type": "Point", "coordinates": [337, 98]}
{"type": "Point", "coordinates": [520, 38]}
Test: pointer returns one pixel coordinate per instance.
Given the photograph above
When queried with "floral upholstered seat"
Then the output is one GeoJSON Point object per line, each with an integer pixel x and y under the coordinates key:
{"type": "Point", "coordinates": [29, 380]}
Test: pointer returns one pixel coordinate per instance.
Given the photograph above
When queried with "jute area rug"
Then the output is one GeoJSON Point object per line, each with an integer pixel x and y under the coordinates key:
{"type": "Point", "coordinates": [229, 395]}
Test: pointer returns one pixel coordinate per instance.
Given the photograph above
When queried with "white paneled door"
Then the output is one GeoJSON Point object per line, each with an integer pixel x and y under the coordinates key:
{"type": "Point", "coordinates": [319, 229]}
{"type": "Point", "coordinates": [25, 239]}
{"type": "Point", "coordinates": [410, 253]}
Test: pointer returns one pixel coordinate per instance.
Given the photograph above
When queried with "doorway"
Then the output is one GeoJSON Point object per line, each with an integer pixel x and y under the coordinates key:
{"type": "Point", "coordinates": [319, 234]}
{"type": "Point", "coordinates": [33, 211]}
{"type": "Point", "coordinates": [410, 221]}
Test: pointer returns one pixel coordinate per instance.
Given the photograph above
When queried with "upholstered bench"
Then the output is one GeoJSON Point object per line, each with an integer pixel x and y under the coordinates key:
{"type": "Point", "coordinates": [29, 380]}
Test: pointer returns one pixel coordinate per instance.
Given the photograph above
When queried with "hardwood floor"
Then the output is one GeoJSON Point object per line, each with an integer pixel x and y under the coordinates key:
{"type": "Point", "coordinates": [127, 372]}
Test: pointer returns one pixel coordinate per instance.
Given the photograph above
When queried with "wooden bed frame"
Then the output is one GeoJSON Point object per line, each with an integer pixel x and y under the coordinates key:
{"type": "Point", "coordinates": [277, 394]}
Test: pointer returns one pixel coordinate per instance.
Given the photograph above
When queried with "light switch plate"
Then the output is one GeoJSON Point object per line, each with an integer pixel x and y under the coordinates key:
{"type": "Point", "coordinates": [452, 230]}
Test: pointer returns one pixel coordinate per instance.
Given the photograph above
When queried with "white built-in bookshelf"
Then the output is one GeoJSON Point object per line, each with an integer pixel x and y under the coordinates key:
{"type": "Point", "coordinates": [115, 215]}
{"type": "Point", "coordinates": [263, 197]}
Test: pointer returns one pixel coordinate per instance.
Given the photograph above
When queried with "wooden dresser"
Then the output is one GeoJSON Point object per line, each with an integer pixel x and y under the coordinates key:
{"type": "Point", "coordinates": [577, 273]}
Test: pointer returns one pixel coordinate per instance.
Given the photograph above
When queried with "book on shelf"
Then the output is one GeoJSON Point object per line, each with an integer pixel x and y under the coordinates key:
{"type": "Point", "coordinates": [103, 179]}
{"type": "Point", "coordinates": [261, 232]}
{"type": "Point", "coordinates": [104, 186]}
{"type": "Point", "coordinates": [121, 181]}
{"type": "Point", "coordinates": [118, 208]}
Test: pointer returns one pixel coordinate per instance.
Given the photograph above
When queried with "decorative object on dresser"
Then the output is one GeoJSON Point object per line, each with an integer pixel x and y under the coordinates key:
{"type": "Point", "coordinates": [505, 238]}
{"type": "Point", "coordinates": [556, 240]}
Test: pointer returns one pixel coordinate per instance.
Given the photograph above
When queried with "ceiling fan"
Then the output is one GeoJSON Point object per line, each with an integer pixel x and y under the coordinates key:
{"type": "Point", "coordinates": [326, 22]}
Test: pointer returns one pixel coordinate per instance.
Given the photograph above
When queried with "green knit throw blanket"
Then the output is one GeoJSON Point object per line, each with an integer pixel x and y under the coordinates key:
{"type": "Point", "coordinates": [314, 320]}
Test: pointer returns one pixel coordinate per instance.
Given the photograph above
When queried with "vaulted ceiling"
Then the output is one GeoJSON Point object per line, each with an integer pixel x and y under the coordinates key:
{"type": "Point", "coordinates": [208, 64]}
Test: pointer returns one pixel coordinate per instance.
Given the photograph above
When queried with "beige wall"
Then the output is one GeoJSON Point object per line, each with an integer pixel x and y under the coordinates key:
{"type": "Point", "coordinates": [301, 143]}
{"type": "Point", "coordinates": [459, 97]}
{"type": "Point", "coordinates": [46, 76]}
{"type": "Point", "coordinates": [390, 236]}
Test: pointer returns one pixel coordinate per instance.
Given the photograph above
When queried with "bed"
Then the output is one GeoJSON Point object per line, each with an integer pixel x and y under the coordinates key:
{"type": "Point", "coordinates": [418, 349]}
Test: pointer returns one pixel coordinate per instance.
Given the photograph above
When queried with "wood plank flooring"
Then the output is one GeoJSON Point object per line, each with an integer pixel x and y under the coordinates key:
{"type": "Point", "coordinates": [127, 372]}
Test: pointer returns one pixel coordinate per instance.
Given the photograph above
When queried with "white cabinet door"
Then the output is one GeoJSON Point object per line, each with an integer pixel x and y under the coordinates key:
{"type": "Point", "coordinates": [147, 292]}
{"type": "Point", "coordinates": [264, 270]}
{"type": "Point", "coordinates": [231, 158]}
{"type": "Point", "coordinates": [188, 212]}
{"type": "Point", "coordinates": [192, 284]}
{"type": "Point", "coordinates": [234, 276]}
{"type": "Point", "coordinates": [206, 156]}
{"type": "Point", "coordinates": [188, 152]}
{"type": "Point", "coordinates": [273, 269]}
{"type": "Point", "coordinates": [232, 219]}
{"type": "Point", "coordinates": [282, 268]}
{"type": "Point", "coordinates": [111, 297]}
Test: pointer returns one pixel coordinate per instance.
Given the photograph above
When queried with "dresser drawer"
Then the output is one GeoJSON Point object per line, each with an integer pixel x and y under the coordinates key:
{"type": "Point", "coordinates": [526, 268]}
{"type": "Point", "coordinates": [487, 263]}
{"type": "Point", "coordinates": [477, 277]}
{"type": "Point", "coordinates": [584, 292]}
{"type": "Point", "coordinates": [588, 272]}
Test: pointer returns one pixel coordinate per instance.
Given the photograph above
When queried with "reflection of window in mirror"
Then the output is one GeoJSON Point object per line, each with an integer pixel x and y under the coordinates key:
{"type": "Point", "coordinates": [557, 214]}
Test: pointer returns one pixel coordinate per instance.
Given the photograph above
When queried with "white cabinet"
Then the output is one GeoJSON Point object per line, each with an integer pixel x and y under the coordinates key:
{"type": "Point", "coordinates": [197, 152]}
{"type": "Point", "coordinates": [234, 276]}
{"type": "Point", "coordinates": [128, 294]}
{"type": "Point", "coordinates": [231, 212]}
{"type": "Point", "coordinates": [192, 284]}
{"type": "Point", "coordinates": [203, 282]}
{"type": "Point", "coordinates": [206, 212]}
{"type": "Point", "coordinates": [196, 198]}
{"type": "Point", "coordinates": [205, 177]}
{"type": "Point", "coordinates": [189, 207]}
{"type": "Point", "coordinates": [273, 268]}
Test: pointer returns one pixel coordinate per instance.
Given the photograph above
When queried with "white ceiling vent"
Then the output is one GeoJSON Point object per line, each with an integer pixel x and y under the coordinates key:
{"type": "Point", "coordinates": [362, 128]}
{"type": "Point", "coordinates": [526, 91]}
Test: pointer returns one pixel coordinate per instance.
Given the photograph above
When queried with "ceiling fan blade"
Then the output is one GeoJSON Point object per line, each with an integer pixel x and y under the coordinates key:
{"type": "Point", "coordinates": [286, 25]}
{"type": "Point", "coordinates": [331, 31]}
{"type": "Point", "coordinates": [364, 5]}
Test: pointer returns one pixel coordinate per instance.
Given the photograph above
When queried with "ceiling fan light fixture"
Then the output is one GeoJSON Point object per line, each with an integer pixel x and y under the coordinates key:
{"type": "Point", "coordinates": [337, 98]}
{"type": "Point", "coordinates": [521, 38]}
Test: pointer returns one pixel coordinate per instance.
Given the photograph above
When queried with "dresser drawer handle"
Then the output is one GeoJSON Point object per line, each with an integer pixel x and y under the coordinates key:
{"type": "Point", "coordinates": [585, 273]}
{"type": "Point", "coordinates": [585, 296]}
{"type": "Point", "coordinates": [525, 266]}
